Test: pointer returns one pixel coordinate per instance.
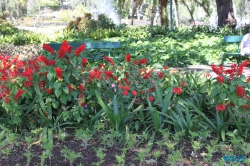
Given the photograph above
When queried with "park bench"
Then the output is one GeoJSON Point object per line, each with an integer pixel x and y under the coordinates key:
{"type": "Point", "coordinates": [92, 45]}
{"type": "Point", "coordinates": [236, 54]}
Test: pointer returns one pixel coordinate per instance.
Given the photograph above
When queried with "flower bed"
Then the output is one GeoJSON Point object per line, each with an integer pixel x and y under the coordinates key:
{"type": "Point", "coordinates": [61, 88]}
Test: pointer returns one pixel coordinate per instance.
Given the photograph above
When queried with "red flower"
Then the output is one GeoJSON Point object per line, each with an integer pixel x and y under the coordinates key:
{"type": "Point", "coordinates": [240, 91]}
{"type": "Point", "coordinates": [41, 85]}
{"type": "Point", "coordinates": [135, 62]}
{"type": "Point", "coordinates": [19, 93]}
{"type": "Point", "coordinates": [52, 62]}
{"type": "Point", "coordinates": [64, 49]}
{"type": "Point", "coordinates": [109, 60]}
{"type": "Point", "coordinates": [165, 67]}
{"type": "Point", "coordinates": [43, 59]}
{"type": "Point", "coordinates": [48, 48]}
{"type": "Point", "coordinates": [81, 87]}
{"type": "Point", "coordinates": [108, 74]}
{"type": "Point", "coordinates": [244, 64]}
{"type": "Point", "coordinates": [160, 74]}
{"type": "Point", "coordinates": [220, 107]}
{"type": "Point", "coordinates": [28, 72]}
{"type": "Point", "coordinates": [102, 66]}
{"type": "Point", "coordinates": [134, 92]}
{"type": "Point", "coordinates": [58, 71]}
{"type": "Point", "coordinates": [80, 49]}
{"type": "Point", "coordinates": [7, 100]}
{"type": "Point", "coordinates": [217, 70]}
{"type": "Point", "coordinates": [15, 59]}
{"type": "Point", "coordinates": [248, 80]}
{"type": "Point", "coordinates": [127, 57]}
{"type": "Point", "coordinates": [126, 88]}
{"type": "Point", "coordinates": [49, 91]}
{"type": "Point", "coordinates": [142, 61]}
{"type": "Point", "coordinates": [125, 93]}
{"type": "Point", "coordinates": [151, 98]}
{"type": "Point", "coordinates": [177, 90]}
{"type": "Point", "coordinates": [70, 88]}
{"type": "Point", "coordinates": [220, 79]}
{"type": "Point", "coordinates": [84, 62]}
{"type": "Point", "coordinates": [244, 107]}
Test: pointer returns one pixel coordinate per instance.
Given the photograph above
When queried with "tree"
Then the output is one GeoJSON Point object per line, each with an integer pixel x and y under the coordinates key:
{"type": "Point", "coordinates": [164, 12]}
{"type": "Point", "coordinates": [225, 13]}
{"type": "Point", "coordinates": [136, 5]}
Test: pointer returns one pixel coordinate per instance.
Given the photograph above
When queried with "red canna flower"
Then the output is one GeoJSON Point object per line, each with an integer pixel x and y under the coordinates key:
{"type": "Point", "coordinates": [151, 98]}
{"type": "Point", "coordinates": [127, 57]}
{"type": "Point", "coordinates": [48, 48]}
{"type": "Point", "coordinates": [109, 60]}
{"type": "Point", "coordinates": [59, 71]}
{"type": "Point", "coordinates": [240, 91]}
{"type": "Point", "coordinates": [177, 90]}
{"type": "Point", "coordinates": [220, 79]}
{"type": "Point", "coordinates": [220, 107]}
{"type": "Point", "coordinates": [126, 88]}
{"type": "Point", "coordinates": [49, 91]}
{"type": "Point", "coordinates": [84, 62]}
{"type": "Point", "coordinates": [125, 93]}
{"type": "Point", "coordinates": [134, 92]}
{"type": "Point", "coordinates": [80, 49]}
{"type": "Point", "coordinates": [19, 93]}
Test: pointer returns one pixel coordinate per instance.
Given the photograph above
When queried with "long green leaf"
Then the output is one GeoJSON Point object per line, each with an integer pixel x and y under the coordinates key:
{"type": "Point", "coordinates": [115, 105]}
{"type": "Point", "coordinates": [109, 113]}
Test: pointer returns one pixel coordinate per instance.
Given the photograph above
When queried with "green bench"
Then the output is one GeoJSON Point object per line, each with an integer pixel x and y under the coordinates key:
{"type": "Point", "coordinates": [233, 39]}
{"type": "Point", "coordinates": [91, 45]}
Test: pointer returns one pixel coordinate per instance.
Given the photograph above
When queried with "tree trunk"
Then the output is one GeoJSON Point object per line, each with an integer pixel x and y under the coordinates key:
{"type": "Point", "coordinates": [163, 12]}
{"type": "Point", "coordinates": [225, 13]}
{"type": "Point", "coordinates": [153, 12]}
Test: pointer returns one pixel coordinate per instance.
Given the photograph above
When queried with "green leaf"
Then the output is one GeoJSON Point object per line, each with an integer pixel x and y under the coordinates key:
{"type": "Point", "coordinates": [66, 90]}
{"type": "Point", "coordinates": [223, 96]}
{"type": "Point", "coordinates": [214, 92]}
{"type": "Point", "coordinates": [58, 84]}
{"type": "Point", "coordinates": [63, 100]}
{"type": "Point", "coordinates": [50, 76]}
{"type": "Point", "coordinates": [58, 92]}
{"type": "Point", "coordinates": [75, 73]}
{"type": "Point", "coordinates": [115, 105]}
